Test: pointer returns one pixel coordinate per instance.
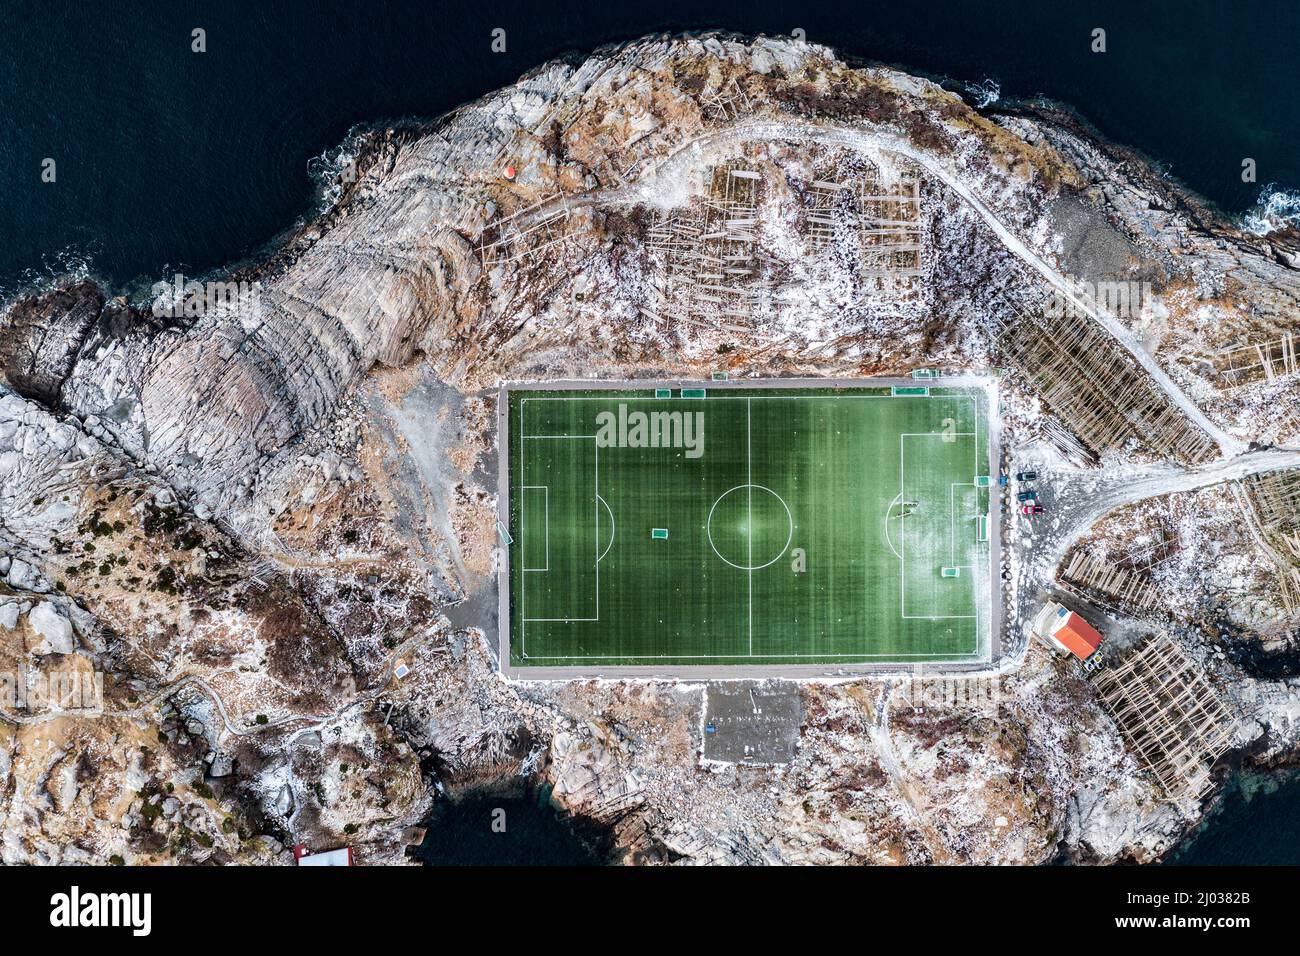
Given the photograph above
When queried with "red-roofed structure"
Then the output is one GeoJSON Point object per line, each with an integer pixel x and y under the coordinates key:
{"type": "Point", "coordinates": [1068, 632]}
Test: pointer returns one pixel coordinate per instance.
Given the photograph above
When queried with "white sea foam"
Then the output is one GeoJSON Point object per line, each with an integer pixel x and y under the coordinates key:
{"type": "Point", "coordinates": [326, 170]}
{"type": "Point", "coordinates": [985, 93]}
{"type": "Point", "coordinates": [1278, 209]}
{"type": "Point", "coordinates": [68, 266]}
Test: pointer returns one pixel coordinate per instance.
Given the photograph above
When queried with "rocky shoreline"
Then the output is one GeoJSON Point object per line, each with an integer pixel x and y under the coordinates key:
{"type": "Point", "coordinates": [249, 518]}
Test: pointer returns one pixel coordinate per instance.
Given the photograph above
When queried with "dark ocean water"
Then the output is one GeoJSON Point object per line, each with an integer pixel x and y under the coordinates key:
{"type": "Point", "coordinates": [509, 830]}
{"type": "Point", "coordinates": [1257, 822]}
{"type": "Point", "coordinates": [169, 160]}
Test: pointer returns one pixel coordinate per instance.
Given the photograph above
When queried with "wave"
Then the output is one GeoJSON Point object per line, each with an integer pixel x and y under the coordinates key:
{"type": "Point", "coordinates": [327, 170]}
{"type": "Point", "coordinates": [1278, 209]}
{"type": "Point", "coordinates": [68, 266]}
{"type": "Point", "coordinates": [985, 93]}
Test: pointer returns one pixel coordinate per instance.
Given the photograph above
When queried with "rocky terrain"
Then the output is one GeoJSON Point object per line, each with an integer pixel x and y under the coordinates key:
{"type": "Point", "coordinates": [248, 516]}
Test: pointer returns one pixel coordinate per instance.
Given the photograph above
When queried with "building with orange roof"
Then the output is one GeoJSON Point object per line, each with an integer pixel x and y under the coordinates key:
{"type": "Point", "coordinates": [1066, 631]}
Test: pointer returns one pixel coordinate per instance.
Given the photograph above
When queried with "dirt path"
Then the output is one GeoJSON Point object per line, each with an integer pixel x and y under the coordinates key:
{"type": "Point", "coordinates": [913, 798]}
{"type": "Point", "coordinates": [648, 188]}
{"type": "Point", "coordinates": [1082, 498]}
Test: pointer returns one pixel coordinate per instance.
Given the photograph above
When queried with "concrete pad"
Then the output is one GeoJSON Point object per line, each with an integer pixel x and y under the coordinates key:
{"type": "Point", "coordinates": [752, 721]}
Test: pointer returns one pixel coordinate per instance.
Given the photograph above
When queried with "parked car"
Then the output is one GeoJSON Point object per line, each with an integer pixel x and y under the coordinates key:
{"type": "Point", "coordinates": [1026, 475]}
{"type": "Point", "coordinates": [1027, 496]}
{"type": "Point", "coordinates": [1032, 510]}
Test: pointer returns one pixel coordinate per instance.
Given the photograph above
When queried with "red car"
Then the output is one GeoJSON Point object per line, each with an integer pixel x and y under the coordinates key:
{"type": "Point", "coordinates": [1032, 510]}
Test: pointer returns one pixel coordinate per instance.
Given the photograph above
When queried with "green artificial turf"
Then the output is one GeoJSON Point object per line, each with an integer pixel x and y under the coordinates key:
{"type": "Point", "coordinates": [813, 526]}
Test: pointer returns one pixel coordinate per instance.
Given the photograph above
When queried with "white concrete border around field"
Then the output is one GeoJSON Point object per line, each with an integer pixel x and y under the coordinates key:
{"type": "Point", "coordinates": [985, 658]}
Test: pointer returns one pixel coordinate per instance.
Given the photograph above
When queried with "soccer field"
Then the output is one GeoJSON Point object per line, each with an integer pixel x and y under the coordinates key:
{"type": "Point", "coordinates": [748, 526]}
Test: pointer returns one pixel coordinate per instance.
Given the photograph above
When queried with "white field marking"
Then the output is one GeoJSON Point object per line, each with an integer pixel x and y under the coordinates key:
{"type": "Point", "coordinates": [954, 655]}
{"type": "Point", "coordinates": [560, 620]}
{"type": "Point", "coordinates": [889, 539]}
{"type": "Point", "coordinates": [523, 592]}
{"type": "Point", "coordinates": [546, 505]}
{"type": "Point", "coordinates": [523, 585]}
{"type": "Point", "coordinates": [612, 528]}
{"type": "Point", "coordinates": [596, 506]}
{"type": "Point", "coordinates": [523, 524]}
{"type": "Point", "coordinates": [788, 538]}
{"type": "Point", "coordinates": [902, 567]}
{"type": "Point", "coordinates": [952, 518]}
{"type": "Point", "coordinates": [615, 396]}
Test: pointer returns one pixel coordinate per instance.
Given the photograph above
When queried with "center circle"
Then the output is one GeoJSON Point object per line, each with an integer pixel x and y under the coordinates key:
{"type": "Point", "coordinates": [750, 527]}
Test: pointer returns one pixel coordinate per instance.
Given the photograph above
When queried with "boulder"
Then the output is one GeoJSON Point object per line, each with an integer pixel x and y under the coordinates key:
{"type": "Point", "coordinates": [41, 337]}
{"type": "Point", "coordinates": [24, 577]}
{"type": "Point", "coordinates": [222, 766]}
{"type": "Point", "coordinates": [55, 629]}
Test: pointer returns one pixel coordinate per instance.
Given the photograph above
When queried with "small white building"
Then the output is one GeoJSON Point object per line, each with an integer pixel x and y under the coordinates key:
{"type": "Point", "coordinates": [340, 857]}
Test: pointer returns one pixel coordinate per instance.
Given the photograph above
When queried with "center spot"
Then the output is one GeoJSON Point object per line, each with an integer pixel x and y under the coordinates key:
{"type": "Point", "coordinates": [750, 527]}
